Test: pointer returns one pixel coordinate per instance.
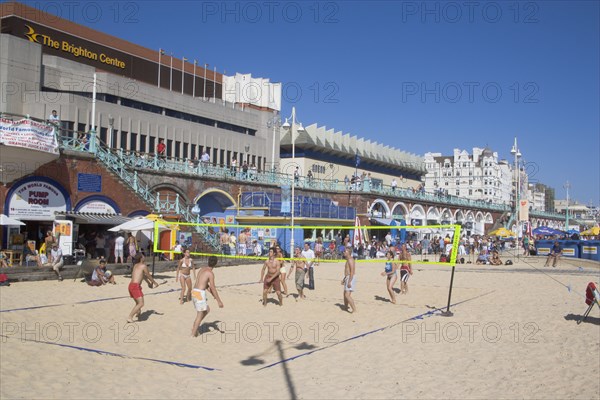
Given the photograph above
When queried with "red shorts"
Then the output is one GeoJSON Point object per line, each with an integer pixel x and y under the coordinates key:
{"type": "Point", "coordinates": [276, 283]}
{"type": "Point", "coordinates": [135, 290]}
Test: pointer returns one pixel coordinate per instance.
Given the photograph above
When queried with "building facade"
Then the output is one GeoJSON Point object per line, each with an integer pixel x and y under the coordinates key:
{"type": "Point", "coordinates": [477, 176]}
{"type": "Point", "coordinates": [48, 63]}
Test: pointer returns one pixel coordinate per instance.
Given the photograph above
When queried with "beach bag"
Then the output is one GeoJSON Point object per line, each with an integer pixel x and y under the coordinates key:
{"type": "Point", "coordinates": [4, 280]}
{"type": "Point", "coordinates": [508, 262]}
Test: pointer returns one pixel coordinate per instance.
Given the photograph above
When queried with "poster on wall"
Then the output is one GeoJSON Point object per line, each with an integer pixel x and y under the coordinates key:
{"type": "Point", "coordinates": [36, 201]}
{"type": "Point", "coordinates": [63, 231]}
{"type": "Point", "coordinates": [185, 239]}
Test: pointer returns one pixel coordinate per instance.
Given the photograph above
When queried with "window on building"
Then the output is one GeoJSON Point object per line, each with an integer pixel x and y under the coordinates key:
{"type": "Point", "coordinates": [214, 156]}
{"type": "Point", "coordinates": [221, 157]}
{"type": "Point", "coordinates": [133, 141]}
{"type": "Point", "coordinates": [193, 153]}
{"type": "Point", "coordinates": [186, 148]}
{"type": "Point", "coordinates": [103, 135]}
{"type": "Point", "coordinates": [457, 192]}
{"type": "Point", "coordinates": [124, 140]}
{"type": "Point", "coordinates": [177, 149]}
{"type": "Point", "coordinates": [152, 147]}
{"type": "Point", "coordinates": [143, 147]}
{"type": "Point", "coordinates": [169, 147]}
{"type": "Point", "coordinates": [470, 192]}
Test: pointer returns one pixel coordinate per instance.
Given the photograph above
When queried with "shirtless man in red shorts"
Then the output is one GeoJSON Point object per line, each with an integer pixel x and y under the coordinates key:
{"type": "Point", "coordinates": [271, 279]}
{"type": "Point", "coordinates": [139, 273]}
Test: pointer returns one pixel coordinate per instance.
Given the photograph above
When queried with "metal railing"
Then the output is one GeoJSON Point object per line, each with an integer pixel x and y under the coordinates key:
{"type": "Point", "coordinates": [88, 143]}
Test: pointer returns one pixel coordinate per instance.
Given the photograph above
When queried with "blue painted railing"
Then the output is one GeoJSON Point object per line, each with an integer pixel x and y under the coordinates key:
{"type": "Point", "coordinates": [126, 161]}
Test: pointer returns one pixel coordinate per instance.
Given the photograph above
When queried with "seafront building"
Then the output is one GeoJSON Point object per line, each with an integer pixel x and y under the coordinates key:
{"type": "Point", "coordinates": [102, 169]}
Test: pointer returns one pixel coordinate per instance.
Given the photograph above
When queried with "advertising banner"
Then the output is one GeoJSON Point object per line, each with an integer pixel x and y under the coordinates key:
{"type": "Point", "coordinates": [28, 134]}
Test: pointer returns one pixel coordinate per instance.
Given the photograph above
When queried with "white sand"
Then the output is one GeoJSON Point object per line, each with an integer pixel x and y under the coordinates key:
{"type": "Point", "coordinates": [513, 335]}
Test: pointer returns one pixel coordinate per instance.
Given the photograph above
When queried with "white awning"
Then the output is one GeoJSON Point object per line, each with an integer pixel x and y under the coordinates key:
{"type": "Point", "coordinates": [92, 218]}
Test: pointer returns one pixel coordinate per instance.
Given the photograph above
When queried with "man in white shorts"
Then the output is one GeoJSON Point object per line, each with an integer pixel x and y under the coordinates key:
{"type": "Point", "coordinates": [205, 281]}
{"type": "Point", "coordinates": [309, 255]}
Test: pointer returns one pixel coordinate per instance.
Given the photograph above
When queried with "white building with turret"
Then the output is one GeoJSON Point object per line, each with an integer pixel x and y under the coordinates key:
{"type": "Point", "coordinates": [477, 176]}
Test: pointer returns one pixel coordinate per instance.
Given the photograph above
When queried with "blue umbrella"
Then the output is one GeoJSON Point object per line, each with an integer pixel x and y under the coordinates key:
{"type": "Point", "coordinates": [546, 231]}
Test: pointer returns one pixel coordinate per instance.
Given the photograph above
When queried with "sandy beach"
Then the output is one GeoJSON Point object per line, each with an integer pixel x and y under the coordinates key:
{"type": "Point", "coordinates": [514, 334]}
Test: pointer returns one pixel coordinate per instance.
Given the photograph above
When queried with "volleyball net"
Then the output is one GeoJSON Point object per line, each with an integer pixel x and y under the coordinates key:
{"type": "Point", "coordinates": [252, 242]}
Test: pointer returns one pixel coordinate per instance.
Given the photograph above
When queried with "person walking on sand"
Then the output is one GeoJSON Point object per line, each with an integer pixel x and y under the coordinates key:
{"type": "Point", "coordinates": [391, 272]}
{"type": "Point", "coordinates": [183, 276]}
{"type": "Point", "coordinates": [405, 269]}
{"type": "Point", "coordinates": [299, 263]}
{"type": "Point", "coordinates": [349, 280]}
{"type": "Point", "coordinates": [272, 277]}
{"type": "Point", "coordinates": [139, 272]}
{"type": "Point", "coordinates": [205, 280]}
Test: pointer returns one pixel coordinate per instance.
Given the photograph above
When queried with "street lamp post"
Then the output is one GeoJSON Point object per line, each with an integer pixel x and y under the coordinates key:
{"type": "Point", "coordinates": [293, 129]}
{"type": "Point", "coordinates": [274, 123]}
{"type": "Point", "coordinates": [111, 124]}
{"type": "Point", "coordinates": [517, 154]}
{"type": "Point", "coordinates": [567, 186]}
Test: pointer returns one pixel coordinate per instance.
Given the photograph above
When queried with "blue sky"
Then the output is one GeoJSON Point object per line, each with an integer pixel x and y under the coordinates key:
{"type": "Point", "coordinates": [420, 76]}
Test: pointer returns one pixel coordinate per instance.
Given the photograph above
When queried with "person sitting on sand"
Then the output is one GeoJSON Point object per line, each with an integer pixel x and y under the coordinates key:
{"type": "Point", "coordinates": [139, 273]}
{"type": "Point", "coordinates": [101, 276]}
{"type": "Point", "coordinates": [205, 280]}
{"type": "Point", "coordinates": [3, 258]}
{"type": "Point", "coordinates": [483, 257]}
{"type": "Point", "coordinates": [554, 255]}
{"type": "Point", "coordinates": [495, 260]}
{"type": "Point", "coordinates": [32, 255]}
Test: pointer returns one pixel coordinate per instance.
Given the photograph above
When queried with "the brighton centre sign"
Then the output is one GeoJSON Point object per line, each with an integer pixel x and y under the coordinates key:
{"type": "Point", "coordinates": [74, 49]}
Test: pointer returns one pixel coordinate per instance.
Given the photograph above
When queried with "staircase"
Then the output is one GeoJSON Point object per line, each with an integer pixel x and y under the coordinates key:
{"type": "Point", "coordinates": [116, 164]}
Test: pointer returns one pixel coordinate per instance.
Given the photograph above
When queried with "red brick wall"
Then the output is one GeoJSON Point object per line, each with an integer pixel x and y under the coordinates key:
{"type": "Point", "coordinates": [65, 170]}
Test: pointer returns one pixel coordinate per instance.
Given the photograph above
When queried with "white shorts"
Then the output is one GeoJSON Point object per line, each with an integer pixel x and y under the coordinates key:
{"type": "Point", "coordinates": [199, 300]}
{"type": "Point", "coordinates": [352, 284]}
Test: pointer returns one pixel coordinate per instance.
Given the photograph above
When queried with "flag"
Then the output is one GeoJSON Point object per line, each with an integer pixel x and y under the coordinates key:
{"type": "Point", "coordinates": [357, 160]}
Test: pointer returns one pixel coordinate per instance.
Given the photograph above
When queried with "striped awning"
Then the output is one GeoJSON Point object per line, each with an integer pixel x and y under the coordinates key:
{"type": "Point", "coordinates": [92, 218]}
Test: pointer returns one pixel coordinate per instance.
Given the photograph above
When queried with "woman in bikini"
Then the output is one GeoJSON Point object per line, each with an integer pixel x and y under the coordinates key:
{"type": "Point", "coordinates": [282, 269]}
{"type": "Point", "coordinates": [391, 272]}
{"type": "Point", "coordinates": [132, 246]}
{"type": "Point", "coordinates": [405, 269]}
{"type": "Point", "coordinates": [318, 250]}
{"type": "Point", "coordinates": [183, 276]}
